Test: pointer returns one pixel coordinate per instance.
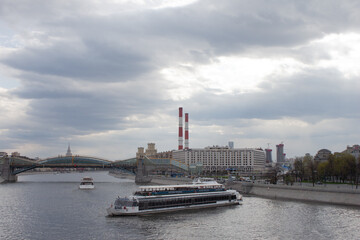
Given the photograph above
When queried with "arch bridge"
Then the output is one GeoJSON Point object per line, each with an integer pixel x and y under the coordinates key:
{"type": "Point", "coordinates": [11, 166]}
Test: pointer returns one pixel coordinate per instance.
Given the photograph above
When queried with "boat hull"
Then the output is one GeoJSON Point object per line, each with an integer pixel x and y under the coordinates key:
{"type": "Point", "coordinates": [86, 187]}
{"type": "Point", "coordinates": [112, 212]}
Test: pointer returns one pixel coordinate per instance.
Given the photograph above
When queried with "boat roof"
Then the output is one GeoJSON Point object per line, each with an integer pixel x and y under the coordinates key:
{"type": "Point", "coordinates": [197, 185]}
{"type": "Point", "coordinates": [87, 178]}
{"type": "Point", "coordinates": [133, 197]}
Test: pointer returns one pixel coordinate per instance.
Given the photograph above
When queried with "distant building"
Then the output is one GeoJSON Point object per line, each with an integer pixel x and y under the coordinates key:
{"type": "Point", "coordinates": [68, 153]}
{"type": "Point", "coordinates": [354, 150]}
{"type": "Point", "coordinates": [217, 158]}
{"type": "Point", "coordinates": [140, 153]}
{"type": "Point", "coordinates": [322, 155]}
{"type": "Point", "coordinates": [167, 155]}
{"type": "Point", "coordinates": [231, 145]}
{"type": "Point", "coordinates": [280, 157]}
{"type": "Point", "coordinates": [268, 155]}
{"type": "Point", "coordinates": [3, 154]}
{"type": "Point", "coordinates": [15, 154]}
{"type": "Point", "coordinates": [150, 151]}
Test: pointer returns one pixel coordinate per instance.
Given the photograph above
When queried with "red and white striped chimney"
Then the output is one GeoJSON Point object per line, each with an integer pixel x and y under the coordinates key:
{"type": "Point", "coordinates": [180, 128]}
{"type": "Point", "coordinates": [186, 131]}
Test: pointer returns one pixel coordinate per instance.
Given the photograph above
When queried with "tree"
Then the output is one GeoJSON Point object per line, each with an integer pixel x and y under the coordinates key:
{"type": "Point", "coordinates": [357, 172]}
{"type": "Point", "coordinates": [274, 174]}
{"type": "Point", "coordinates": [350, 165]}
{"type": "Point", "coordinates": [345, 167]}
{"type": "Point", "coordinates": [288, 179]}
{"type": "Point", "coordinates": [299, 169]}
{"type": "Point", "coordinates": [330, 169]}
{"type": "Point", "coordinates": [311, 167]}
{"type": "Point", "coordinates": [322, 170]}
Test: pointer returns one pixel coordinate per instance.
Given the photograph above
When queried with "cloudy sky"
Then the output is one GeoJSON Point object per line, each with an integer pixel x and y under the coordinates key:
{"type": "Point", "coordinates": [109, 76]}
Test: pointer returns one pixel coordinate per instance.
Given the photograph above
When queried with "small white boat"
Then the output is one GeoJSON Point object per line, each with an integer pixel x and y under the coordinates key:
{"type": "Point", "coordinates": [87, 183]}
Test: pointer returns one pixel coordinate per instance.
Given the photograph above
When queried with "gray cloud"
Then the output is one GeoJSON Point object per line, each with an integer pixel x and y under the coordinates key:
{"type": "Point", "coordinates": [310, 96]}
{"type": "Point", "coordinates": [84, 69]}
{"type": "Point", "coordinates": [120, 47]}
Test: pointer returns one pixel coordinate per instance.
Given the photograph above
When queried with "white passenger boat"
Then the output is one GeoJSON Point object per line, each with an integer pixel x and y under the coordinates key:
{"type": "Point", "coordinates": [87, 183]}
{"type": "Point", "coordinates": [167, 198]}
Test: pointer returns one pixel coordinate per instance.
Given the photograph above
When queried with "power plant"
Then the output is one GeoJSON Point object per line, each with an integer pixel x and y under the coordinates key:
{"type": "Point", "coordinates": [180, 129]}
{"type": "Point", "coordinates": [215, 158]}
{"type": "Point", "coordinates": [180, 147]}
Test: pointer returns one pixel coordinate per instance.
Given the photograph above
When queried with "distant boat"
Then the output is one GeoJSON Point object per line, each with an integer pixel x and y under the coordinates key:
{"type": "Point", "coordinates": [87, 183]}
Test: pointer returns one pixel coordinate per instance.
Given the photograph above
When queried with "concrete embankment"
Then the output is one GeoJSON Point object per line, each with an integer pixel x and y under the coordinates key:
{"type": "Point", "coordinates": [156, 180]}
{"type": "Point", "coordinates": [332, 195]}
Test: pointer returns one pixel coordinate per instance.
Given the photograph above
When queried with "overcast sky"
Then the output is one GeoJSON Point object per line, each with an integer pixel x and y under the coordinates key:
{"type": "Point", "coordinates": [109, 76]}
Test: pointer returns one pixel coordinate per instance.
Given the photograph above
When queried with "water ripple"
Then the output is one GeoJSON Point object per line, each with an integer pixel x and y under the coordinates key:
{"type": "Point", "coordinates": [46, 209]}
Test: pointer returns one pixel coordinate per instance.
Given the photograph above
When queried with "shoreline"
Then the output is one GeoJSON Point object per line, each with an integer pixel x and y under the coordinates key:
{"type": "Point", "coordinates": [337, 196]}
{"type": "Point", "coordinates": [160, 180]}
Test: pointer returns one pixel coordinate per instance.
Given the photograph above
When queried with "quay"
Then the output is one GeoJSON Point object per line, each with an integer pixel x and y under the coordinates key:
{"type": "Point", "coordinates": [331, 194]}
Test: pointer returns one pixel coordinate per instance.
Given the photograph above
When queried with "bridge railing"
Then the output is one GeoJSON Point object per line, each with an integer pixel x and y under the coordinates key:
{"type": "Point", "coordinates": [75, 160]}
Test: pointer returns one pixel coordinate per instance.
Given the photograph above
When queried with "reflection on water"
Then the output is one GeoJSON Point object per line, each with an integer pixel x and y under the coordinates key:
{"type": "Point", "coordinates": [50, 206]}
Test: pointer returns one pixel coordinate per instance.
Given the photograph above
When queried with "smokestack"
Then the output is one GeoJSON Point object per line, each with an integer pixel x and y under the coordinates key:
{"type": "Point", "coordinates": [186, 131]}
{"type": "Point", "coordinates": [180, 128]}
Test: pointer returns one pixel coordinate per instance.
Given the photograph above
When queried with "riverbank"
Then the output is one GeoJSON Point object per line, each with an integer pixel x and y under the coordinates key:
{"type": "Point", "coordinates": [156, 180]}
{"type": "Point", "coordinates": [331, 194]}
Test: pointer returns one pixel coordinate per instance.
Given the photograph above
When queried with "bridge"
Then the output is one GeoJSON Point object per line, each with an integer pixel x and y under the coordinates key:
{"type": "Point", "coordinates": [11, 166]}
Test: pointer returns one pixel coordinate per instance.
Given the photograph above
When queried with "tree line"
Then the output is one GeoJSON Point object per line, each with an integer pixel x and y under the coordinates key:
{"type": "Point", "coordinates": [339, 168]}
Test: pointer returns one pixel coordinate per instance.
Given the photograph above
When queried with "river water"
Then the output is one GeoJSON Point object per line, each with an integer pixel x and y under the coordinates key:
{"type": "Point", "coordinates": [50, 206]}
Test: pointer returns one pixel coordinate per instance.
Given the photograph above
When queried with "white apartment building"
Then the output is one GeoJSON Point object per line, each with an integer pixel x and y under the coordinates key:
{"type": "Point", "coordinates": [222, 158]}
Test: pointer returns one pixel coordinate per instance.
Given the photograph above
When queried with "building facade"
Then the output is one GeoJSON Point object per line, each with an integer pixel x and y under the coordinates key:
{"type": "Point", "coordinates": [280, 157]}
{"type": "Point", "coordinates": [268, 155]}
{"type": "Point", "coordinates": [322, 155]}
{"type": "Point", "coordinates": [354, 150]}
{"type": "Point", "coordinates": [217, 159]}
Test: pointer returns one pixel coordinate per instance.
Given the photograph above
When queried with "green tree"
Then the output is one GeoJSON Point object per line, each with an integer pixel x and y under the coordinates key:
{"type": "Point", "coordinates": [330, 169]}
{"type": "Point", "coordinates": [288, 179]}
{"type": "Point", "coordinates": [299, 169]}
{"type": "Point", "coordinates": [311, 168]}
{"type": "Point", "coordinates": [274, 174]}
{"type": "Point", "coordinates": [322, 170]}
{"type": "Point", "coordinates": [351, 167]}
{"type": "Point", "coordinates": [345, 167]}
{"type": "Point", "coordinates": [357, 173]}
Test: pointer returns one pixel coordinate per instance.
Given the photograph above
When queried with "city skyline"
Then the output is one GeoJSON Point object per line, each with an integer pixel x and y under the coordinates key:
{"type": "Point", "coordinates": [109, 77]}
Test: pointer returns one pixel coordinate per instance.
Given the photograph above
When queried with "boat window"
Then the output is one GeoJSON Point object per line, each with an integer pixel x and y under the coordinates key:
{"type": "Point", "coordinates": [126, 202]}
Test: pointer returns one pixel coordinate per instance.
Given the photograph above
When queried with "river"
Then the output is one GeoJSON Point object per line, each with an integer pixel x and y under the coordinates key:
{"type": "Point", "coordinates": [50, 206]}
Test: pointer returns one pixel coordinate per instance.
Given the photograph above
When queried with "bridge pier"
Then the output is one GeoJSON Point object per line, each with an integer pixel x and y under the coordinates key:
{"type": "Point", "coordinates": [141, 173]}
{"type": "Point", "coordinates": [6, 171]}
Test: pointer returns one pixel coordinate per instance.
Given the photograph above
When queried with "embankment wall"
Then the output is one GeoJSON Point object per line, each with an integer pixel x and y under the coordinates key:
{"type": "Point", "coordinates": [302, 193]}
